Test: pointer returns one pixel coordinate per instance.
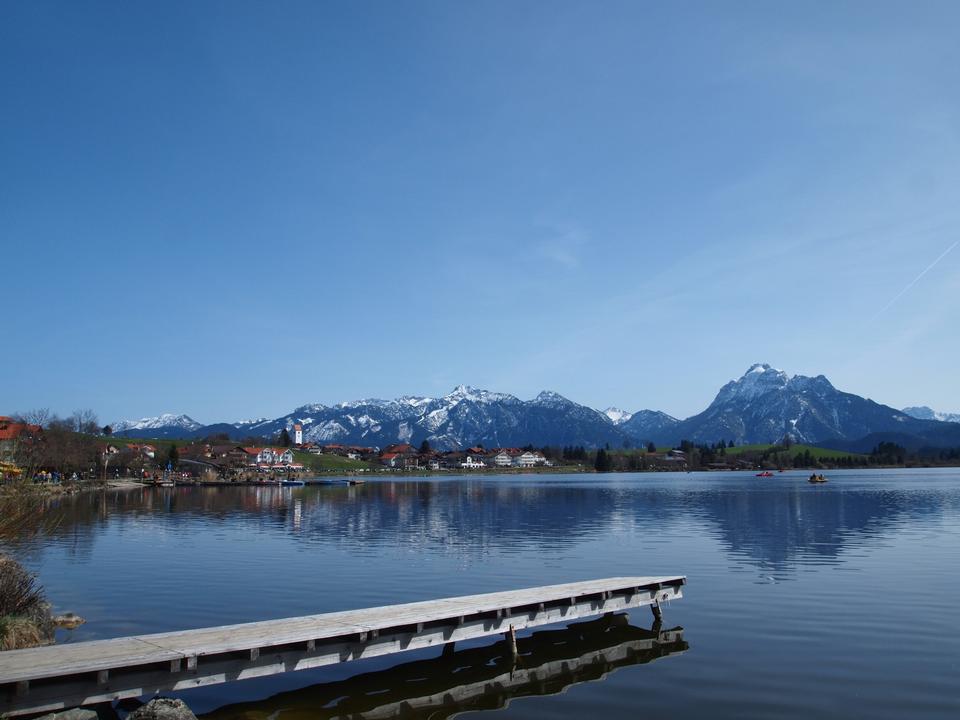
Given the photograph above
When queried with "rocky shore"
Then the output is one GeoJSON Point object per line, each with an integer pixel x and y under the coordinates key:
{"type": "Point", "coordinates": [157, 709]}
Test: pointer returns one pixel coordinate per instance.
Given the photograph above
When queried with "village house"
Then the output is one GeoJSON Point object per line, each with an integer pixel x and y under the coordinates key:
{"type": "Point", "coordinates": [12, 433]}
{"type": "Point", "coordinates": [501, 458]}
{"type": "Point", "coordinates": [401, 455]}
{"type": "Point", "coordinates": [147, 451]}
{"type": "Point", "coordinates": [227, 455]}
{"type": "Point", "coordinates": [269, 456]}
{"type": "Point", "coordinates": [515, 457]}
{"type": "Point", "coordinates": [530, 459]}
{"type": "Point", "coordinates": [473, 462]}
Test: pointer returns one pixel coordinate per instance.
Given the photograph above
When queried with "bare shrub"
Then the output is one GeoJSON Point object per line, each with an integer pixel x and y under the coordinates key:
{"type": "Point", "coordinates": [17, 633]}
{"type": "Point", "coordinates": [20, 594]}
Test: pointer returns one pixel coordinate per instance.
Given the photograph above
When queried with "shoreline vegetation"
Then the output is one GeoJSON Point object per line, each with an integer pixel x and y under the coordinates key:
{"type": "Point", "coordinates": [25, 616]}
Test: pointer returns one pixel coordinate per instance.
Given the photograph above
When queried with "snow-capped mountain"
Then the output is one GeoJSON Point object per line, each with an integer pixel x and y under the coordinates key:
{"type": "Point", "coordinates": [616, 415]}
{"type": "Point", "coordinates": [165, 422]}
{"type": "Point", "coordinates": [765, 404]}
{"type": "Point", "coordinates": [645, 426]}
{"type": "Point", "coordinates": [466, 416]}
{"type": "Point", "coordinates": [925, 413]}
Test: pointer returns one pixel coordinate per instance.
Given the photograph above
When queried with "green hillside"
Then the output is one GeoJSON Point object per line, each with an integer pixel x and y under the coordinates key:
{"type": "Point", "coordinates": [817, 452]}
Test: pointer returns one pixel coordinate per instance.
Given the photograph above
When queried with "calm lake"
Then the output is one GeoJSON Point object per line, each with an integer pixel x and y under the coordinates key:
{"type": "Point", "coordinates": [802, 601]}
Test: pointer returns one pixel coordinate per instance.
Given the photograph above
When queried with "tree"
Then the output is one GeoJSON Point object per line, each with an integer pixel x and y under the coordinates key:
{"type": "Point", "coordinates": [107, 430]}
{"type": "Point", "coordinates": [603, 462]}
{"type": "Point", "coordinates": [651, 448]}
{"type": "Point", "coordinates": [84, 421]}
{"type": "Point", "coordinates": [173, 456]}
{"type": "Point", "coordinates": [285, 438]}
{"type": "Point", "coordinates": [425, 448]}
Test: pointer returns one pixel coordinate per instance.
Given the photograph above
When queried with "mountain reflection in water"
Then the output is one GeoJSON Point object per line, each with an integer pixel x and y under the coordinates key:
{"type": "Point", "coordinates": [764, 522]}
{"type": "Point", "coordinates": [484, 678]}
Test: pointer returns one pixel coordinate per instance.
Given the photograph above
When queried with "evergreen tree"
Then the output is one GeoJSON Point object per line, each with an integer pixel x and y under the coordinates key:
{"type": "Point", "coordinates": [173, 456]}
{"type": "Point", "coordinates": [285, 438]}
{"type": "Point", "coordinates": [651, 448]}
{"type": "Point", "coordinates": [425, 447]}
{"type": "Point", "coordinates": [603, 462]}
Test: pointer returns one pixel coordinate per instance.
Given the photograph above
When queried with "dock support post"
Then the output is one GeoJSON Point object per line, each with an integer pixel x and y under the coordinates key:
{"type": "Point", "coordinates": [511, 638]}
{"type": "Point", "coordinates": [449, 649]}
{"type": "Point", "coordinates": [657, 612]}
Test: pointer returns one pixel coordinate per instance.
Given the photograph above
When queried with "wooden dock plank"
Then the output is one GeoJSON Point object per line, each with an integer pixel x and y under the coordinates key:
{"type": "Point", "coordinates": [50, 662]}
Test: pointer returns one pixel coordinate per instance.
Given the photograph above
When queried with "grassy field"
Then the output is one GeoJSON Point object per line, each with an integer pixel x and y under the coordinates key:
{"type": "Point", "coordinates": [816, 452]}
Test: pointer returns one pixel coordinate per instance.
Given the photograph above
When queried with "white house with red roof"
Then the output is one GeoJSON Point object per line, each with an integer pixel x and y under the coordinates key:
{"type": "Point", "coordinates": [269, 456]}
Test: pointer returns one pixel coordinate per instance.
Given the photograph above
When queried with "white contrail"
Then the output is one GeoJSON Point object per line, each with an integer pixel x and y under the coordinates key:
{"type": "Point", "coordinates": [915, 280]}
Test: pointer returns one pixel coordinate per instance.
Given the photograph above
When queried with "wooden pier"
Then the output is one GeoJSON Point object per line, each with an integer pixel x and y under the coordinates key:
{"type": "Point", "coordinates": [57, 677]}
{"type": "Point", "coordinates": [478, 678]}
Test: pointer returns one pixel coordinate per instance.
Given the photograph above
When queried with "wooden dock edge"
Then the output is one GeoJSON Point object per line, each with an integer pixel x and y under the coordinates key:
{"type": "Point", "coordinates": [26, 690]}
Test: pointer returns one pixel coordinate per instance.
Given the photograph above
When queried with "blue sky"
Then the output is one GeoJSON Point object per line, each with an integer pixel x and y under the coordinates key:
{"type": "Point", "coordinates": [231, 209]}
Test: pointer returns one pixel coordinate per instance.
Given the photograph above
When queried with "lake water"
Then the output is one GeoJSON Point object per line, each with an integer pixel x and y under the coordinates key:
{"type": "Point", "coordinates": [833, 601]}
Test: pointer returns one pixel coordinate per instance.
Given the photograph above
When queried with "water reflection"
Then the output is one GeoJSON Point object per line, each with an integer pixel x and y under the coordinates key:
{"type": "Point", "coordinates": [483, 678]}
{"type": "Point", "coordinates": [770, 526]}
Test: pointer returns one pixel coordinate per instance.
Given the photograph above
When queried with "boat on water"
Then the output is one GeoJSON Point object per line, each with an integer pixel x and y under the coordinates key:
{"type": "Point", "coordinates": [765, 473]}
{"type": "Point", "coordinates": [292, 483]}
{"type": "Point", "coordinates": [817, 479]}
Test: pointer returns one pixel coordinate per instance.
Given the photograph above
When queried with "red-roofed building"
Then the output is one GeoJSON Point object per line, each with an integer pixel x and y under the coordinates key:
{"type": "Point", "coordinates": [402, 455]}
{"type": "Point", "coordinates": [12, 433]}
{"type": "Point", "coordinates": [269, 456]}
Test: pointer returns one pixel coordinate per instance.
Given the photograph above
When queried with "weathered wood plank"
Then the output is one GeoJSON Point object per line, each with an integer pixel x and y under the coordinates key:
{"type": "Point", "coordinates": [521, 608]}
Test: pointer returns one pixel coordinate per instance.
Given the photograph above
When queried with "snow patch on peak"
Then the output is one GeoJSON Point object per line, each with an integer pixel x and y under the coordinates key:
{"type": "Point", "coordinates": [415, 400]}
{"type": "Point", "coordinates": [548, 397]}
{"type": "Point", "coordinates": [465, 392]}
{"type": "Point", "coordinates": [310, 408]}
{"type": "Point", "coordinates": [253, 421]}
{"type": "Point", "coordinates": [761, 368]}
{"type": "Point", "coordinates": [617, 415]}
{"type": "Point", "coordinates": [371, 402]}
{"type": "Point", "coordinates": [160, 421]}
{"type": "Point", "coordinates": [924, 412]}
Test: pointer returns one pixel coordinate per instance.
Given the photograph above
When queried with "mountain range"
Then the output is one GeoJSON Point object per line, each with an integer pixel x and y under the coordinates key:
{"type": "Point", "coordinates": [762, 406]}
